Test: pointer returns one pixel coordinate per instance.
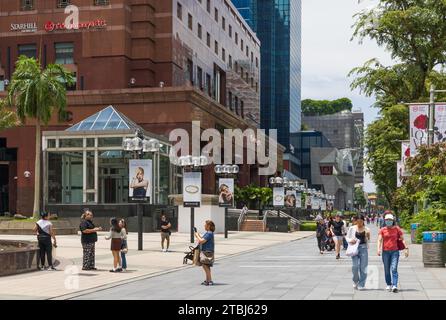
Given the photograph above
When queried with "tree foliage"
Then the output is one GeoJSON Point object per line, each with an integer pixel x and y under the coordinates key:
{"type": "Point", "coordinates": [324, 107]}
{"type": "Point", "coordinates": [8, 118]}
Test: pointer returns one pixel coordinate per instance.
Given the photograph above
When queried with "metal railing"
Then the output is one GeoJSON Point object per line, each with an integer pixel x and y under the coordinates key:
{"type": "Point", "coordinates": [241, 219]}
{"type": "Point", "coordinates": [294, 221]}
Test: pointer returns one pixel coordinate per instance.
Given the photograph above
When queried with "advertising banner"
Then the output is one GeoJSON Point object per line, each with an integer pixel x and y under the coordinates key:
{"type": "Point", "coordinates": [278, 196]}
{"type": "Point", "coordinates": [226, 192]}
{"type": "Point", "coordinates": [192, 189]}
{"type": "Point", "coordinates": [419, 124]}
{"type": "Point", "coordinates": [399, 174]}
{"type": "Point", "coordinates": [405, 154]}
{"type": "Point", "coordinates": [140, 180]}
{"type": "Point", "coordinates": [315, 203]}
{"type": "Point", "coordinates": [323, 204]}
{"type": "Point", "coordinates": [308, 202]}
{"type": "Point", "coordinates": [290, 199]}
{"type": "Point", "coordinates": [298, 200]}
{"type": "Point", "coordinates": [440, 124]}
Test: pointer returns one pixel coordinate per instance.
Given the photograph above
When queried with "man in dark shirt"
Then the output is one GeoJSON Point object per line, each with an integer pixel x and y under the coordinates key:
{"type": "Point", "coordinates": [165, 232]}
{"type": "Point", "coordinates": [336, 227]}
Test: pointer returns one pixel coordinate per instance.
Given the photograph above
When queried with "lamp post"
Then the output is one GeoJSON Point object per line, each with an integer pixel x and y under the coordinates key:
{"type": "Point", "coordinates": [278, 182]}
{"type": "Point", "coordinates": [139, 146]}
{"type": "Point", "coordinates": [226, 171]}
{"type": "Point", "coordinates": [192, 164]}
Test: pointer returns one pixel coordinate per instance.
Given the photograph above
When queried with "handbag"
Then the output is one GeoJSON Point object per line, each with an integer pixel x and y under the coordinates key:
{"type": "Point", "coordinates": [206, 257]}
{"type": "Point", "coordinates": [352, 249]}
{"type": "Point", "coordinates": [196, 260]}
{"type": "Point", "coordinates": [400, 243]}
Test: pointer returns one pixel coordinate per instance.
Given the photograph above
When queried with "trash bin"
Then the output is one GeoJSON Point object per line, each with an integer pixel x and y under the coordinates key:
{"type": "Point", "coordinates": [434, 249]}
{"type": "Point", "coordinates": [413, 232]}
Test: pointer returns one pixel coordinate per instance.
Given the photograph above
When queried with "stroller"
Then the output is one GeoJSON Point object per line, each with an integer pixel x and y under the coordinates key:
{"type": "Point", "coordinates": [329, 244]}
{"type": "Point", "coordinates": [189, 255]}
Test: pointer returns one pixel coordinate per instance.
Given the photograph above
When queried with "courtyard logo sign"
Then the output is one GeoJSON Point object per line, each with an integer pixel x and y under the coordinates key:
{"type": "Point", "coordinates": [24, 27]}
{"type": "Point", "coordinates": [96, 24]}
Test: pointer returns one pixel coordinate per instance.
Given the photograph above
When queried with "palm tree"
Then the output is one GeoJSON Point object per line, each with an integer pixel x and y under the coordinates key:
{"type": "Point", "coordinates": [8, 118]}
{"type": "Point", "coordinates": [36, 93]}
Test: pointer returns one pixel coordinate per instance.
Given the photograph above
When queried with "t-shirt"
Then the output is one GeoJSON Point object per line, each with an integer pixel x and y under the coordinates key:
{"type": "Point", "coordinates": [88, 237]}
{"type": "Point", "coordinates": [390, 238]}
{"type": "Point", "coordinates": [337, 227]}
{"type": "Point", "coordinates": [165, 223]}
{"type": "Point", "coordinates": [45, 226]}
{"type": "Point", "coordinates": [209, 245]}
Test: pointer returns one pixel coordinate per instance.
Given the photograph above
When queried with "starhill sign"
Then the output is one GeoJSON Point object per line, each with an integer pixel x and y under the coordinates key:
{"type": "Point", "coordinates": [24, 27]}
{"type": "Point", "coordinates": [51, 26]}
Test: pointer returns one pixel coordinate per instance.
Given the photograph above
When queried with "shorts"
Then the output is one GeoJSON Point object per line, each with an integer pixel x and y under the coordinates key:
{"type": "Point", "coordinates": [337, 238]}
{"type": "Point", "coordinates": [165, 236]}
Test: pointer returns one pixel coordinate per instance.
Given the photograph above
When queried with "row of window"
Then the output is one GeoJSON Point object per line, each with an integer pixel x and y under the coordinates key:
{"type": "Point", "coordinates": [30, 4]}
{"type": "Point", "coordinates": [64, 52]}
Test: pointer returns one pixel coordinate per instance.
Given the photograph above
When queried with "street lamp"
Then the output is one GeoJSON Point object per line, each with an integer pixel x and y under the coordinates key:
{"type": "Point", "coordinates": [278, 182]}
{"type": "Point", "coordinates": [192, 164]}
{"type": "Point", "coordinates": [226, 171]}
{"type": "Point", "coordinates": [139, 145]}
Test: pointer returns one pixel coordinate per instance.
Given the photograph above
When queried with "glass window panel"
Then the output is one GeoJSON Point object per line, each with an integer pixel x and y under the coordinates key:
{"type": "Point", "coordinates": [55, 187]}
{"type": "Point", "coordinates": [113, 122]}
{"type": "Point", "coordinates": [164, 174]}
{"type": "Point", "coordinates": [113, 177]}
{"type": "Point", "coordinates": [90, 170]}
{"type": "Point", "coordinates": [64, 53]}
{"type": "Point", "coordinates": [71, 143]}
{"type": "Point", "coordinates": [51, 143]}
{"type": "Point", "coordinates": [110, 142]}
{"type": "Point", "coordinates": [90, 142]}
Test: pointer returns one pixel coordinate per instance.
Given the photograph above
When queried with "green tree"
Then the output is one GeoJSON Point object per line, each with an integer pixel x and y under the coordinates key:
{"type": "Point", "coordinates": [359, 197]}
{"type": "Point", "coordinates": [36, 93]}
{"type": "Point", "coordinates": [8, 118]}
{"type": "Point", "coordinates": [324, 107]}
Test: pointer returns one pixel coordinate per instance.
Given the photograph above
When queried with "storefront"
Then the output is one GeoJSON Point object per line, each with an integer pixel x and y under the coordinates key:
{"type": "Point", "coordinates": [87, 165]}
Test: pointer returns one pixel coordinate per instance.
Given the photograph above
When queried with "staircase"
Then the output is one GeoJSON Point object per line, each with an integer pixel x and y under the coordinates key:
{"type": "Point", "coordinates": [253, 226]}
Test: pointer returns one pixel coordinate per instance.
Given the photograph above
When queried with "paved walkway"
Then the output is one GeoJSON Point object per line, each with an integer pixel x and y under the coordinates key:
{"type": "Point", "coordinates": [71, 280]}
{"type": "Point", "coordinates": [294, 270]}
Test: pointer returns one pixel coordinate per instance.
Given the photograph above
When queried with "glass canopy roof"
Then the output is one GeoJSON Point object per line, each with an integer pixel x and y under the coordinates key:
{"type": "Point", "coordinates": [106, 119]}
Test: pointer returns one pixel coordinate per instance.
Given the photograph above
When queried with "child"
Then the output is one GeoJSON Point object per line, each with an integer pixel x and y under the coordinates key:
{"type": "Point", "coordinates": [116, 235]}
{"type": "Point", "coordinates": [124, 247]}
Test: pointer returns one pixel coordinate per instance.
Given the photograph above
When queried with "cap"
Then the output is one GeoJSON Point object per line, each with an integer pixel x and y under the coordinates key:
{"type": "Point", "coordinates": [389, 216]}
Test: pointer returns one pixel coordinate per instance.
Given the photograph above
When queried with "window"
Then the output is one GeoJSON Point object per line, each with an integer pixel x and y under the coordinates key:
{"type": "Point", "coordinates": [27, 5]}
{"type": "Point", "coordinates": [190, 71]}
{"type": "Point", "coordinates": [236, 104]}
{"type": "Point", "coordinates": [200, 77]}
{"type": "Point", "coordinates": [247, 51]}
{"type": "Point", "coordinates": [236, 66]}
{"type": "Point", "coordinates": [216, 14]}
{"type": "Point", "coordinates": [208, 84]}
{"type": "Point", "coordinates": [200, 31]}
{"type": "Point", "coordinates": [230, 31]}
{"type": "Point", "coordinates": [230, 61]}
{"type": "Point", "coordinates": [190, 21]}
{"type": "Point", "coordinates": [179, 11]}
{"type": "Point", "coordinates": [242, 108]}
{"type": "Point", "coordinates": [257, 87]}
{"type": "Point", "coordinates": [236, 38]}
{"type": "Point", "coordinates": [208, 39]}
{"type": "Point", "coordinates": [257, 62]}
{"type": "Point", "coordinates": [101, 2]}
{"type": "Point", "coordinates": [28, 50]}
{"type": "Point", "coordinates": [64, 53]}
{"type": "Point", "coordinates": [223, 54]}
{"type": "Point", "coordinates": [216, 47]}
{"type": "Point", "coordinates": [252, 57]}
{"type": "Point", "coordinates": [63, 3]}
{"type": "Point", "coordinates": [208, 6]}
{"type": "Point", "coordinates": [230, 100]}
{"type": "Point", "coordinates": [223, 23]}
{"type": "Point", "coordinates": [241, 45]}
{"type": "Point", "coordinates": [241, 72]}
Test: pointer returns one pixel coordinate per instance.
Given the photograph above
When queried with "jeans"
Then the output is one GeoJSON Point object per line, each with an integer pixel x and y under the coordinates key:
{"type": "Point", "coordinates": [344, 243]}
{"type": "Point", "coordinates": [123, 255]}
{"type": "Point", "coordinates": [360, 263]}
{"type": "Point", "coordinates": [320, 243]}
{"type": "Point", "coordinates": [390, 260]}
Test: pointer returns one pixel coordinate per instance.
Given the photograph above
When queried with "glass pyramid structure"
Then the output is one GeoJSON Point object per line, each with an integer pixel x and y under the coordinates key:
{"type": "Point", "coordinates": [105, 120]}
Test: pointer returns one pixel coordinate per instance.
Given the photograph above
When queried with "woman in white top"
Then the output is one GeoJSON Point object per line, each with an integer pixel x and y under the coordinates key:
{"type": "Point", "coordinates": [359, 233]}
{"type": "Point", "coordinates": [44, 231]}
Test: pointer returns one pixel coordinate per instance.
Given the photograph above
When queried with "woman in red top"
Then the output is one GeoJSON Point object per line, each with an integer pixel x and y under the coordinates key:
{"type": "Point", "coordinates": [388, 247]}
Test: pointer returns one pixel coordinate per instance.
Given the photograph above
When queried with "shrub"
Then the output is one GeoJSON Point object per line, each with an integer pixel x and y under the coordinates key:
{"type": "Point", "coordinates": [308, 226]}
{"type": "Point", "coordinates": [429, 221]}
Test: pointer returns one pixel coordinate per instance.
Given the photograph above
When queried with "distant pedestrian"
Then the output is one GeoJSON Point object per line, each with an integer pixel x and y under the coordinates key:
{"type": "Point", "coordinates": [320, 235]}
{"type": "Point", "coordinates": [45, 231]}
{"type": "Point", "coordinates": [116, 236]}
{"type": "Point", "coordinates": [388, 247]}
{"type": "Point", "coordinates": [359, 233]}
{"type": "Point", "coordinates": [124, 246]}
{"type": "Point", "coordinates": [207, 250]}
{"type": "Point", "coordinates": [336, 228]}
{"type": "Point", "coordinates": [89, 237]}
{"type": "Point", "coordinates": [165, 232]}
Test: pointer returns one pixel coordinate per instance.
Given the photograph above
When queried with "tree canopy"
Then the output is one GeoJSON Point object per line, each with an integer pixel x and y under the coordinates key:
{"type": "Point", "coordinates": [8, 118]}
{"type": "Point", "coordinates": [324, 107]}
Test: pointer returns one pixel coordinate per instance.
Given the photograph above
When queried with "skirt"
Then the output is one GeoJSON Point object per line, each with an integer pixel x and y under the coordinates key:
{"type": "Point", "coordinates": [116, 244]}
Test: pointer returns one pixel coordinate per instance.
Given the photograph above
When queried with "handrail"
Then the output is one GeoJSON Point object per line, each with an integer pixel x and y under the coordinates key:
{"type": "Point", "coordinates": [282, 214]}
{"type": "Point", "coordinates": [241, 219]}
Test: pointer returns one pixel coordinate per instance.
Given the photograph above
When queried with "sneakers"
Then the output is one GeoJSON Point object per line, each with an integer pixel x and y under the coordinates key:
{"type": "Point", "coordinates": [52, 269]}
{"type": "Point", "coordinates": [361, 288]}
{"type": "Point", "coordinates": [355, 286]}
{"type": "Point", "coordinates": [206, 283]}
{"type": "Point", "coordinates": [338, 257]}
{"type": "Point", "coordinates": [394, 289]}
{"type": "Point", "coordinates": [164, 250]}
{"type": "Point", "coordinates": [389, 288]}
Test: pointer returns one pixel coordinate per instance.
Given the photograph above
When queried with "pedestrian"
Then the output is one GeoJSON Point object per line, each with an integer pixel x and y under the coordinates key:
{"type": "Point", "coordinates": [336, 227]}
{"type": "Point", "coordinates": [390, 242]}
{"type": "Point", "coordinates": [116, 236]}
{"type": "Point", "coordinates": [124, 246]}
{"type": "Point", "coordinates": [89, 237]}
{"type": "Point", "coordinates": [207, 250]}
{"type": "Point", "coordinates": [165, 232]}
{"type": "Point", "coordinates": [44, 230]}
{"type": "Point", "coordinates": [359, 233]}
{"type": "Point", "coordinates": [320, 235]}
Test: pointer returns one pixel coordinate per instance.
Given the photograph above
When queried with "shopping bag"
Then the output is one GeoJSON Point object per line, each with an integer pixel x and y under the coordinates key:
{"type": "Point", "coordinates": [352, 249]}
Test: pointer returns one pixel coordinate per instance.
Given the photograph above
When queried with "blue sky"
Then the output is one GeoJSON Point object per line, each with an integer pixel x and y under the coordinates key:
{"type": "Point", "coordinates": [328, 54]}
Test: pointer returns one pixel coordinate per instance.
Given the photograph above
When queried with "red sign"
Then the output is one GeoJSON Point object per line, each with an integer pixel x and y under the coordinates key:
{"type": "Point", "coordinates": [326, 170]}
{"type": "Point", "coordinates": [95, 24]}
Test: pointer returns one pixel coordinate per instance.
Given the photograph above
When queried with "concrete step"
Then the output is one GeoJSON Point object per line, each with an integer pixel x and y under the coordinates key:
{"type": "Point", "coordinates": [253, 226]}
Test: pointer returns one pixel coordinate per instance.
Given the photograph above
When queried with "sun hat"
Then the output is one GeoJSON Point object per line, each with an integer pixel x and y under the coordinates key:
{"type": "Point", "coordinates": [389, 216]}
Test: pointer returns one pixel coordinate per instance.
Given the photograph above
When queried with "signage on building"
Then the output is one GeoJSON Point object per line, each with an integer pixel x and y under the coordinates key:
{"type": "Point", "coordinates": [94, 24]}
{"type": "Point", "coordinates": [326, 170]}
{"type": "Point", "coordinates": [24, 27]}
{"type": "Point", "coordinates": [140, 178]}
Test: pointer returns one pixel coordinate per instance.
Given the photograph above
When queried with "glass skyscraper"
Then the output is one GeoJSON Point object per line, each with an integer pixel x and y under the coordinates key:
{"type": "Point", "coordinates": [278, 26]}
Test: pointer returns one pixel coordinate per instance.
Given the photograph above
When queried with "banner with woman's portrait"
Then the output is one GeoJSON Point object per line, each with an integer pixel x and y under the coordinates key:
{"type": "Point", "coordinates": [299, 200]}
{"type": "Point", "coordinates": [140, 180]}
{"type": "Point", "coordinates": [226, 192]}
{"type": "Point", "coordinates": [290, 199]}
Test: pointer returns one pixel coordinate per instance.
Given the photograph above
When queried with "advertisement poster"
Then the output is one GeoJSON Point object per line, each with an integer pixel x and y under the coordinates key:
{"type": "Point", "coordinates": [299, 200]}
{"type": "Point", "coordinates": [440, 124]}
{"type": "Point", "coordinates": [399, 174]}
{"type": "Point", "coordinates": [419, 124]}
{"type": "Point", "coordinates": [315, 203]}
{"type": "Point", "coordinates": [226, 193]}
{"type": "Point", "coordinates": [290, 199]}
{"type": "Point", "coordinates": [405, 154]}
{"type": "Point", "coordinates": [308, 202]}
{"type": "Point", "coordinates": [323, 205]}
{"type": "Point", "coordinates": [192, 189]}
{"type": "Point", "coordinates": [140, 180]}
{"type": "Point", "coordinates": [278, 197]}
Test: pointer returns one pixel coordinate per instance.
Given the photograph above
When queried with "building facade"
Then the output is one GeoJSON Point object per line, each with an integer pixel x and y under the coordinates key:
{"type": "Point", "coordinates": [161, 63]}
{"type": "Point", "coordinates": [344, 130]}
{"type": "Point", "coordinates": [278, 26]}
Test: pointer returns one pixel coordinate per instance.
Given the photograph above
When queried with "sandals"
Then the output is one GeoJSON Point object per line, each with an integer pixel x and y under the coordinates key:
{"type": "Point", "coordinates": [206, 283]}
